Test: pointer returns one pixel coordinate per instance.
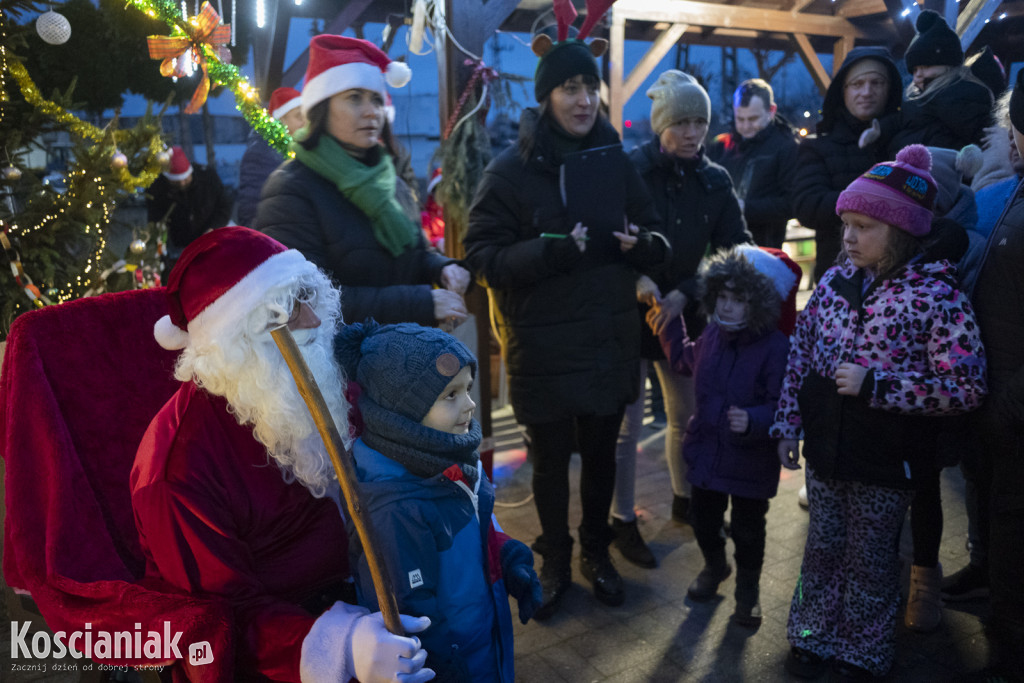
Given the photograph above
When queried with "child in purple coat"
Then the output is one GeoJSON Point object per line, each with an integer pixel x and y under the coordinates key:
{"type": "Point", "coordinates": [737, 364]}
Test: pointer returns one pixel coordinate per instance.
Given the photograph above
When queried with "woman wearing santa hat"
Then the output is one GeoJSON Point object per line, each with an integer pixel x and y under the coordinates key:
{"type": "Point", "coordinates": [565, 297]}
{"type": "Point", "coordinates": [341, 204]}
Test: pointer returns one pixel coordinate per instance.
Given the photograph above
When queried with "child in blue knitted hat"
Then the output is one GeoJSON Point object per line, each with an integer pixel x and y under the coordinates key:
{"type": "Point", "coordinates": [421, 482]}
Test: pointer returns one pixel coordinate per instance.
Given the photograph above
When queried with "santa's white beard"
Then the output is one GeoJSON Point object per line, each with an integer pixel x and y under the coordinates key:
{"type": "Point", "coordinates": [254, 378]}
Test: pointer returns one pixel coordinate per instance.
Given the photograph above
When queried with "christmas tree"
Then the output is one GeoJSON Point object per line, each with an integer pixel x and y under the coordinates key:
{"type": "Point", "coordinates": [54, 234]}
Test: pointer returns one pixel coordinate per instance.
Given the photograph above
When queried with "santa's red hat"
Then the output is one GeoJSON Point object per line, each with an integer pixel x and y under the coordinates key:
{"type": "Point", "coordinates": [339, 63]}
{"type": "Point", "coordinates": [180, 167]}
{"type": "Point", "coordinates": [283, 100]}
{"type": "Point", "coordinates": [220, 278]}
{"type": "Point", "coordinates": [785, 274]}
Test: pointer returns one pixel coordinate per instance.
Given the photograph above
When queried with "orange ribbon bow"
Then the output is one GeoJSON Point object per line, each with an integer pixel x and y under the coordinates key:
{"type": "Point", "coordinates": [204, 30]}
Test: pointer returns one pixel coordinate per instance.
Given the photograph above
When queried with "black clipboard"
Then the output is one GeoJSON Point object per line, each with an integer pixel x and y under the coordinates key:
{"type": "Point", "coordinates": [593, 187]}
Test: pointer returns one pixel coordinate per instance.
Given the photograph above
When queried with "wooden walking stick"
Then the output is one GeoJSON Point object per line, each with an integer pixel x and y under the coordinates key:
{"type": "Point", "coordinates": [346, 475]}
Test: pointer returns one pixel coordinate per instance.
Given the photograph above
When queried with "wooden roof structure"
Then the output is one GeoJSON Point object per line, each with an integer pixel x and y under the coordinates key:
{"type": "Point", "coordinates": [810, 27]}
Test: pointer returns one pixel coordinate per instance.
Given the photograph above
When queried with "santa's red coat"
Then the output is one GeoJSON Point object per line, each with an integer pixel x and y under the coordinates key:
{"type": "Point", "coordinates": [216, 517]}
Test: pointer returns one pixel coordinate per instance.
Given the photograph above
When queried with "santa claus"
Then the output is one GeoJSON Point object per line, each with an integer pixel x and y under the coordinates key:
{"type": "Point", "coordinates": [232, 489]}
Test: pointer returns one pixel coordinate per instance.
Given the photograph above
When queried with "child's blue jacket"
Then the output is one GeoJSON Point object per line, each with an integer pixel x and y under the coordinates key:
{"type": "Point", "coordinates": [444, 563]}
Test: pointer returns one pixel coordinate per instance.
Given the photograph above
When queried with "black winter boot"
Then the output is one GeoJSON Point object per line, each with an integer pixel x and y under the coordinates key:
{"type": "Point", "coordinates": [597, 568]}
{"type": "Point", "coordinates": [748, 592]}
{"type": "Point", "coordinates": [631, 544]}
{"type": "Point", "coordinates": [596, 565]}
{"type": "Point", "coordinates": [716, 570]}
{"type": "Point", "coordinates": [555, 576]}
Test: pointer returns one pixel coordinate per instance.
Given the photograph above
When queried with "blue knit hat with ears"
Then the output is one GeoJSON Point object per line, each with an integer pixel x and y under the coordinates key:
{"type": "Point", "coordinates": [402, 368]}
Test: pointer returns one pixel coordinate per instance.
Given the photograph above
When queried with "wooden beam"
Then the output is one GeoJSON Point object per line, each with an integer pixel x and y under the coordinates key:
{"type": "Point", "coordinates": [616, 52]}
{"type": "Point", "coordinates": [800, 5]}
{"type": "Point", "coordinates": [665, 42]}
{"type": "Point", "coordinates": [811, 61]}
{"type": "Point", "coordinates": [973, 18]}
{"type": "Point", "coordinates": [861, 8]}
{"type": "Point", "coordinates": [707, 14]}
{"type": "Point", "coordinates": [841, 48]}
{"type": "Point", "coordinates": [341, 21]}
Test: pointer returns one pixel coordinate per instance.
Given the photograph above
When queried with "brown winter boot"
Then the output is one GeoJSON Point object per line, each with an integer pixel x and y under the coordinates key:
{"type": "Point", "coordinates": [924, 604]}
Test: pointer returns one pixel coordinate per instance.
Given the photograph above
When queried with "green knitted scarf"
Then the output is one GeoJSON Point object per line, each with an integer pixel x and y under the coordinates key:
{"type": "Point", "coordinates": [370, 188]}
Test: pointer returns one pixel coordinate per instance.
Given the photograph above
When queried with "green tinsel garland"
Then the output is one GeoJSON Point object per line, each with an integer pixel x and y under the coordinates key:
{"type": "Point", "coordinates": [246, 97]}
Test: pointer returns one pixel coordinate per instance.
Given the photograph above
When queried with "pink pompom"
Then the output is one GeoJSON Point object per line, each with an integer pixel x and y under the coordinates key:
{"type": "Point", "coordinates": [917, 156]}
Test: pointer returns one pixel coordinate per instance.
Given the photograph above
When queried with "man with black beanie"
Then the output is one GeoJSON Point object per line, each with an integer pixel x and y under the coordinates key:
{"type": "Point", "coordinates": [1000, 423]}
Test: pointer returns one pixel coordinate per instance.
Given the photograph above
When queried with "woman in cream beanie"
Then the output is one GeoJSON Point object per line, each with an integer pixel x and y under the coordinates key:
{"type": "Point", "coordinates": [699, 211]}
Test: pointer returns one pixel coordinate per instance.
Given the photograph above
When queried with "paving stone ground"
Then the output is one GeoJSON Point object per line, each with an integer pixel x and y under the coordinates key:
{"type": "Point", "coordinates": [661, 635]}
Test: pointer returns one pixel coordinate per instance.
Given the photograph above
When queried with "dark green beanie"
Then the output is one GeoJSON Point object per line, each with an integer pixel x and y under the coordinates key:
{"type": "Point", "coordinates": [565, 60]}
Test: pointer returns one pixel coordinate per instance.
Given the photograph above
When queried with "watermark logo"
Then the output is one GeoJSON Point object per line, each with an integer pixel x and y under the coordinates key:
{"type": "Point", "coordinates": [200, 653]}
{"type": "Point", "coordinates": [162, 646]}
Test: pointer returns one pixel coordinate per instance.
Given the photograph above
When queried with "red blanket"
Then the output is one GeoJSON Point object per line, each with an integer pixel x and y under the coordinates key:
{"type": "Point", "coordinates": [79, 385]}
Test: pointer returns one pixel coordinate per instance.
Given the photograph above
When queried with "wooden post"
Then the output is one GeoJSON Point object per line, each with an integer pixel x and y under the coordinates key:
{"type": "Point", "coordinates": [471, 22]}
{"type": "Point", "coordinates": [616, 52]}
{"type": "Point", "coordinates": [840, 49]}
{"type": "Point", "coordinates": [346, 473]}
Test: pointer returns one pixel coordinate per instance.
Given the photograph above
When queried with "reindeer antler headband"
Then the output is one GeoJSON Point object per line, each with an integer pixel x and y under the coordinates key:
{"type": "Point", "coordinates": [562, 59]}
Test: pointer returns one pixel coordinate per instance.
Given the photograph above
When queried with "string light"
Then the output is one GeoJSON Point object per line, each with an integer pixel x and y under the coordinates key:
{"type": "Point", "coordinates": [247, 98]}
{"type": "Point", "coordinates": [84, 130]}
{"type": "Point", "coordinates": [261, 14]}
{"type": "Point", "coordinates": [88, 203]}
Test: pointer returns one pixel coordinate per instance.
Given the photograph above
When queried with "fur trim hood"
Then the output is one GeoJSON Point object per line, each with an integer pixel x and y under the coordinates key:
{"type": "Point", "coordinates": [762, 291]}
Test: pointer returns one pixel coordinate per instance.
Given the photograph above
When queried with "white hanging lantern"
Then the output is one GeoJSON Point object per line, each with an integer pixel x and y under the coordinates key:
{"type": "Point", "coordinates": [53, 28]}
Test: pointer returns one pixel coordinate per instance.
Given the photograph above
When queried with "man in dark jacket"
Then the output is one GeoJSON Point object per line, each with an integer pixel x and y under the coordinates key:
{"type": "Point", "coordinates": [866, 86]}
{"type": "Point", "coordinates": [190, 199]}
{"type": "Point", "coordinates": [760, 153]}
{"type": "Point", "coordinates": [1000, 422]}
{"type": "Point", "coordinates": [260, 159]}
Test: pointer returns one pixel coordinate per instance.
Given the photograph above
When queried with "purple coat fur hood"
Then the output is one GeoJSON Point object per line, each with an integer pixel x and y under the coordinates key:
{"type": "Point", "coordinates": [742, 369]}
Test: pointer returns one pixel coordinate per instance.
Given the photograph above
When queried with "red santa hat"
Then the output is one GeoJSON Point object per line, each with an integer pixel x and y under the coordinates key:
{"type": "Point", "coordinates": [283, 100]}
{"type": "Point", "coordinates": [339, 63]}
{"type": "Point", "coordinates": [219, 279]}
{"type": "Point", "coordinates": [784, 273]}
{"type": "Point", "coordinates": [180, 167]}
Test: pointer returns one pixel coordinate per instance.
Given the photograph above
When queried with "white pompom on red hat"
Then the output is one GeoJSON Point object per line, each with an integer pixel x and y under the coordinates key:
{"type": "Point", "coordinates": [220, 278]}
{"type": "Point", "coordinates": [339, 63]}
{"type": "Point", "coordinates": [784, 274]}
{"type": "Point", "coordinates": [283, 100]}
{"type": "Point", "coordinates": [180, 167]}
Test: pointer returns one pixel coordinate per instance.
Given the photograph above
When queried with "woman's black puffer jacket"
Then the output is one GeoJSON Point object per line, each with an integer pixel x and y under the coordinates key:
{"type": "Point", "coordinates": [567, 319]}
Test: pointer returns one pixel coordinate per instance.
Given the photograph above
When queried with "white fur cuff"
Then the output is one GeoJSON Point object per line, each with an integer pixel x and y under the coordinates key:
{"type": "Point", "coordinates": [325, 649]}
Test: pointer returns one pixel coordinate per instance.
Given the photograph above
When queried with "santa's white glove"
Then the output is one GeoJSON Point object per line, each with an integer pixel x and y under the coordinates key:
{"type": "Point", "coordinates": [348, 642]}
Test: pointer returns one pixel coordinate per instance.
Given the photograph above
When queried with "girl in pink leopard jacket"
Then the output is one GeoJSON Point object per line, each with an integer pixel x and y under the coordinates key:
{"type": "Point", "coordinates": [884, 348]}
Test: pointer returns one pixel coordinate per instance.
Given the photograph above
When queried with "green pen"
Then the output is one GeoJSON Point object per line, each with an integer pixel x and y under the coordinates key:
{"type": "Point", "coordinates": [560, 236]}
